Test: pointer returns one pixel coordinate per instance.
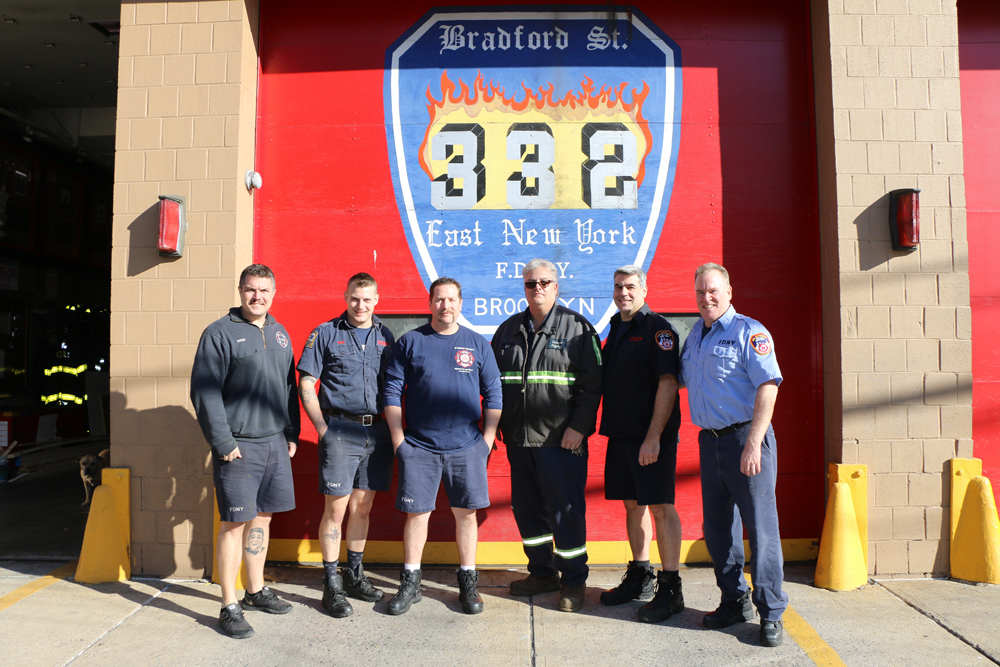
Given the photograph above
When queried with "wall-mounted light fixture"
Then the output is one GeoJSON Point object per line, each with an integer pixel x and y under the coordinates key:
{"type": "Point", "coordinates": [173, 225]}
{"type": "Point", "coordinates": [904, 218]}
{"type": "Point", "coordinates": [252, 180]}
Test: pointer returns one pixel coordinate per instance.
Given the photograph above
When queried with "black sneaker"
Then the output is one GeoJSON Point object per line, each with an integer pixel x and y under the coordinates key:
{"type": "Point", "coordinates": [232, 623]}
{"type": "Point", "coordinates": [468, 593]}
{"type": "Point", "coordinates": [730, 613]}
{"type": "Point", "coordinates": [637, 584]}
{"type": "Point", "coordinates": [771, 633]}
{"type": "Point", "coordinates": [669, 599]}
{"type": "Point", "coordinates": [408, 593]}
{"type": "Point", "coordinates": [532, 585]}
{"type": "Point", "coordinates": [265, 600]}
{"type": "Point", "coordinates": [334, 600]}
{"type": "Point", "coordinates": [359, 586]}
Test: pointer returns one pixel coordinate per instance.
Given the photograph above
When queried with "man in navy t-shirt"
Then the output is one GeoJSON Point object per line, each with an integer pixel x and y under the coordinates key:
{"type": "Point", "coordinates": [443, 369]}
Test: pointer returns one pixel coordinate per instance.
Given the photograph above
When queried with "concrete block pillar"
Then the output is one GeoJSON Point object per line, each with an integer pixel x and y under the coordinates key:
{"type": "Point", "coordinates": [186, 126]}
{"type": "Point", "coordinates": [896, 335]}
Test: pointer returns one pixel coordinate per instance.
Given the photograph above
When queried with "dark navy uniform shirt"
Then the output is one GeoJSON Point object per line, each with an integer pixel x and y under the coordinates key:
{"type": "Point", "coordinates": [350, 370]}
{"type": "Point", "coordinates": [634, 362]}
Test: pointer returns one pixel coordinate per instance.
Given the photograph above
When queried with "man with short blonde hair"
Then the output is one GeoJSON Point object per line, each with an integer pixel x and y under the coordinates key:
{"type": "Point", "coordinates": [731, 373]}
{"type": "Point", "coordinates": [348, 356]}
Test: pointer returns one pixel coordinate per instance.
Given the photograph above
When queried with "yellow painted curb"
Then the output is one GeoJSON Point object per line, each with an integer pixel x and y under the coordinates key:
{"type": "Point", "coordinates": [52, 577]}
{"type": "Point", "coordinates": [509, 554]}
{"type": "Point", "coordinates": [104, 555]}
{"type": "Point", "coordinates": [841, 563]}
{"type": "Point", "coordinates": [975, 539]}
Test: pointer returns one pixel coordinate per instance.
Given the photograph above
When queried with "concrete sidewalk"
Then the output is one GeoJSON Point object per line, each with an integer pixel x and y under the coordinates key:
{"type": "Point", "coordinates": [157, 622]}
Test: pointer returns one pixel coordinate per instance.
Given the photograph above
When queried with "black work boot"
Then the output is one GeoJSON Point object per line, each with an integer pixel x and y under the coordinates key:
{"type": "Point", "coordinates": [532, 585]}
{"type": "Point", "coordinates": [468, 593]}
{"type": "Point", "coordinates": [669, 599]}
{"type": "Point", "coordinates": [637, 584]}
{"type": "Point", "coordinates": [334, 600]}
{"type": "Point", "coordinates": [730, 613]}
{"type": "Point", "coordinates": [771, 633]}
{"type": "Point", "coordinates": [408, 593]}
{"type": "Point", "coordinates": [359, 586]}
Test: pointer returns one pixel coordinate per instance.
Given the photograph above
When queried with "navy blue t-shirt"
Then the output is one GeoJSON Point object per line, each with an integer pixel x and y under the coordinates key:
{"type": "Point", "coordinates": [443, 378]}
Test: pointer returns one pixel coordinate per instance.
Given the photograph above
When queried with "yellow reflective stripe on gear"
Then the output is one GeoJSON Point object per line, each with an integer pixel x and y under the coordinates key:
{"type": "Point", "coordinates": [535, 541]}
{"type": "Point", "coordinates": [64, 397]}
{"type": "Point", "coordinates": [539, 377]}
{"type": "Point", "coordinates": [571, 553]}
{"type": "Point", "coordinates": [66, 369]}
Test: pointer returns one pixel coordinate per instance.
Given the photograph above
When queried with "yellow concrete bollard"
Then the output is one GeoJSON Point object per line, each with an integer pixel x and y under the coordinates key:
{"type": "Point", "coordinates": [241, 576]}
{"type": "Point", "coordinates": [841, 564]}
{"type": "Point", "coordinates": [975, 528]}
{"type": "Point", "coordinates": [107, 539]}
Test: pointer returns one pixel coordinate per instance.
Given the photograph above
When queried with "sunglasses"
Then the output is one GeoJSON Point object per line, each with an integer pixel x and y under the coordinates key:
{"type": "Point", "coordinates": [532, 284]}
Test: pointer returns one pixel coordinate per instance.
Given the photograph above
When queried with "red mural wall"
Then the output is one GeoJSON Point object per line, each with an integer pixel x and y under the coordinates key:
{"type": "Point", "coordinates": [979, 64]}
{"type": "Point", "coordinates": [744, 195]}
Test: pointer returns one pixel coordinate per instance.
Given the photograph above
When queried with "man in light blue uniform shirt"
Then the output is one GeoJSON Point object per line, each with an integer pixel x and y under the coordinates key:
{"type": "Point", "coordinates": [732, 377]}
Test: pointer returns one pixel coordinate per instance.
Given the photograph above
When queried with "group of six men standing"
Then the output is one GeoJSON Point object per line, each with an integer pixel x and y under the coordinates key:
{"type": "Point", "coordinates": [537, 387]}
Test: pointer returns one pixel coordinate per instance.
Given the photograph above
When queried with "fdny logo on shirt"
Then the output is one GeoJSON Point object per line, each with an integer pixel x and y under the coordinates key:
{"type": "Point", "coordinates": [312, 339]}
{"type": "Point", "coordinates": [665, 339]}
{"type": "Point", "coordinates": [382, 343]}
{"type": "Point", "coordinates": [761, 343]}
{"type": "Point", "coordinates": [280, 337]}
{"type": "Point", "coordinates": [464, 358]}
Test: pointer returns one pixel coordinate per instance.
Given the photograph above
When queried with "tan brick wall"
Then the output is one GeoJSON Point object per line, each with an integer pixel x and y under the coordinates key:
{"type": "Point", "coordinates": [897, 349]}
{"type": "Point", "coordinates": [186, 126]}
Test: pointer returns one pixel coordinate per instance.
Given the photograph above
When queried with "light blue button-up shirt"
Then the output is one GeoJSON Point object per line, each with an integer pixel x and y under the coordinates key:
{"type": "Point", "coordinates": [723, 370]}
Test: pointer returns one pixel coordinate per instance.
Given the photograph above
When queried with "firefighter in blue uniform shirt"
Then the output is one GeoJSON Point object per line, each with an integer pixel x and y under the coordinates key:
{"type": "Point", "coordinates": [642, 417]}
{"type": "Point", "coordinates": [732, 377]}
{"type": "Point", "coordinates": [550, 366]}
{"type": "Point", "coordinates": [348, 356]}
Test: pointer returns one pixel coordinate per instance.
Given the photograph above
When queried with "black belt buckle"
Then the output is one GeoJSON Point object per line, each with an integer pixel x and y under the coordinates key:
{"type": "Point", "coordinates": [366, 420]}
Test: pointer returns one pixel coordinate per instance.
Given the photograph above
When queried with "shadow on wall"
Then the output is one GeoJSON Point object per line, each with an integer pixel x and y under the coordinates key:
{"type": "Point", "coordinates": [171, 488]}
{"type": "Point", "coordinates": [874, 242]}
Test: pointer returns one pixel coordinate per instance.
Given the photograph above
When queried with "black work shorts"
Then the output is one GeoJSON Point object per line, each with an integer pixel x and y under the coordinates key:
{"type": "Point", "coordinates": [463, 471]}
{"type": "Point", "coordinates": [260, 481]}
{"type": "Point", "coordinates": [625, 479]}
{"type": "Point", "coordinates": [353, 456]}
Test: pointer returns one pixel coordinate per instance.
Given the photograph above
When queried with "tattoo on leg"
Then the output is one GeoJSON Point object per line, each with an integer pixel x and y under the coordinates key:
{"type": "Point", "coordinates": [255, 541]}
{"type": "Point", "coordinates": [333, 535]}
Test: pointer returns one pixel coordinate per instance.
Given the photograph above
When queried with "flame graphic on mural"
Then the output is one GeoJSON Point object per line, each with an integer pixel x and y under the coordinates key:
{"type": "Point", "coordinates": [573, 106]}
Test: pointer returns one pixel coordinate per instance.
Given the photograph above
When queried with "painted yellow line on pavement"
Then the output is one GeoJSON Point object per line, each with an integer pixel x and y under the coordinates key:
{"type": "Point", "coordinates": [809, 640]}
{"type": "Point", "coordinates": [52, 577]}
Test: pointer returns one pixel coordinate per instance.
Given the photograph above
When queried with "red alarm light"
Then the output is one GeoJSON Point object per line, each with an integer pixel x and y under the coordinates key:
{"type": "Point", "coordinates": [904, 218]}
{"type": "Point", "coordinates": [173, 224]}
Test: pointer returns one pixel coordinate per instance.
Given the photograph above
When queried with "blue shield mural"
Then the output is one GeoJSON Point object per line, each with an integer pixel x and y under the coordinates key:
{"type": "Point", "coordinates": [517, 133]}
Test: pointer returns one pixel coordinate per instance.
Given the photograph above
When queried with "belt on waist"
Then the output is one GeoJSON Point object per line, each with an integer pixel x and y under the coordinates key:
{"type": "Point", "coordinates": [719, 432]}
{"type": "Point", "coordinates": [364, 420]}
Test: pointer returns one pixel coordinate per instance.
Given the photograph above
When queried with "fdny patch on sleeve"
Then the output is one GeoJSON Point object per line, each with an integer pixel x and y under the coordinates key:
{"type": "Point", "coordinates": [761, 343]}
{"type": "Point", "coordinates": [665, 339]}
{"type": "Point", "coordinates": [312, 339]}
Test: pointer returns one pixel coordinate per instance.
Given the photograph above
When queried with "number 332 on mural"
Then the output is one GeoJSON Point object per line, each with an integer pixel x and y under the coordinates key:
{"type": "Point", "coordinates": [516, 133]}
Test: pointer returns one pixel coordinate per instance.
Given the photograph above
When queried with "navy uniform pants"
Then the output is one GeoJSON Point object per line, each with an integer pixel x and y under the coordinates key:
{"type": "Point", "coordinates": [732, 500]}
{"type": "Point", "coordinates": [549, 504]}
